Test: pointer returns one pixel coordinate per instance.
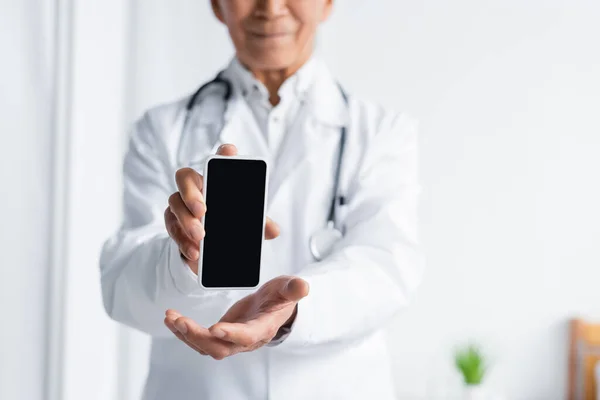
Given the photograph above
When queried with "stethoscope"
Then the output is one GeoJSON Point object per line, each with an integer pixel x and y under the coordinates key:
{"type": "Point", "coordinates": [322, 242]}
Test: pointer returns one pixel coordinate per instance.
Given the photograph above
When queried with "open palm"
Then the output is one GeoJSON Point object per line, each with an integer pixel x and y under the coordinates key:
{"type": "Point", "coordinates": [249, 324]}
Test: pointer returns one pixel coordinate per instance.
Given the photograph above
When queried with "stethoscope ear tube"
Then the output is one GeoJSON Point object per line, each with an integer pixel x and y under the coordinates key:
{"type": "Point", "coordinates": [336, 182]}
{"type": "Point", "coordinates": [321, 243]}
{"type": "Point", "coordinates": [218, 80]}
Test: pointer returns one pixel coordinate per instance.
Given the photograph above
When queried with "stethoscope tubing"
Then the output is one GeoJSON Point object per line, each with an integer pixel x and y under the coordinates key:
{"type": "Point", "coordinates": [330, 225]}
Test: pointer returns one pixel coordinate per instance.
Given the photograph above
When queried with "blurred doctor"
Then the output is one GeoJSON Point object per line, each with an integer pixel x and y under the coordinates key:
{"type": "Point", "coordinates": [314, 329]}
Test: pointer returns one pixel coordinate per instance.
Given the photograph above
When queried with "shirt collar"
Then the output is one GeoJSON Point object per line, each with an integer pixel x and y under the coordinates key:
{"type": "Point", "coordinates": [296, 85]}
{"type": "Point", "coordinates": [319, 87]}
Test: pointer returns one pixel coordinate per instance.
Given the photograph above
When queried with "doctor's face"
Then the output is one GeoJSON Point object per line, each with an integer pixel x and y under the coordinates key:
{"type": "Point", "coordinates": [272, 34]}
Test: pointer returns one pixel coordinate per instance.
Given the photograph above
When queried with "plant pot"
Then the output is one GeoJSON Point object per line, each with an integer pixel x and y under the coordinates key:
{"type": "Point", "coordinates": [475, 392]}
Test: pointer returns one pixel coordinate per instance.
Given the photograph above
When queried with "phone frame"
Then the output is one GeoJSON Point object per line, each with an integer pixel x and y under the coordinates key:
{"type": "Point", "coordinates": [204, 193]}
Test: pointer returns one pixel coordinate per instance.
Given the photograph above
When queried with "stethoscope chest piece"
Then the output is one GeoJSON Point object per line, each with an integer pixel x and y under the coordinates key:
{"type": "Point", "coordinates": [322, 241]}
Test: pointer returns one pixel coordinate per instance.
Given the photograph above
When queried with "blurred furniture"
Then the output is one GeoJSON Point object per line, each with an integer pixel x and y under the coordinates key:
{"type": "Point", "coordinates": [598, 380]}
{"type": "Point", "coordinates": [584, 355]}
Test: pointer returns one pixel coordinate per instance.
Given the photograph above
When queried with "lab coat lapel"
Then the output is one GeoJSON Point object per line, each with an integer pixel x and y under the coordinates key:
{"type": "Point", "coordinates": [212, 124]}
{"type": "Point", "coordinates": [321, 116]}
{"type": "Point", "coordinates": [200, 133]}
{"type": "Point", "coordinates": [242, 130]}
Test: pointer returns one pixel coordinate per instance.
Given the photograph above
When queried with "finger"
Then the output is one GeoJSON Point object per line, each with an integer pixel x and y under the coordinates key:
{"type": "Point", "coordinates": [189, 344]}
{"type": "Point", "coordinates": [245, 334]}
{"type": "Point", "coordinates": [172, 312]}
{"type": "Point", "coordinates": [188, 221]}
{"type": "Point", "coordinates": [203, 339]}
{"type": "Point", "coordinates": [295, 289]}
{"type": "Point", "coordinates": [170, 324]}
{"type": "Point", "coordinates": [189, 184]}
{"type": "Point", "coordinates": [188, 247]}
{"type": "Point", "coordinates": [174, 320]}
{"type": "Point", "coordinates": [227, 150]}
{"type": "Point", "coordinates": [271, 229]}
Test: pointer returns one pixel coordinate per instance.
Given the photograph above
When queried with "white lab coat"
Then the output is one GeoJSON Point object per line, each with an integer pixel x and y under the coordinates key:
{"type": "Point", "coordinates": [337, 348]}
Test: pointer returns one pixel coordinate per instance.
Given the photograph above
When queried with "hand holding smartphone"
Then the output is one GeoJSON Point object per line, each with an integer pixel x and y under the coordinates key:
{"type": "Point", "coordinates": [235, 192]}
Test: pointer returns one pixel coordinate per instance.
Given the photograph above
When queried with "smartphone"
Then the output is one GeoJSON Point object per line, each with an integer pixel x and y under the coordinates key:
{"type": "Point", "coordinates": [235, 192]}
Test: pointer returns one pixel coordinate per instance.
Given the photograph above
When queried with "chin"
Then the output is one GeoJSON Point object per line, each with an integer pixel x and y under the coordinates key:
{"type": "Point", "coordinates": [272, 60]}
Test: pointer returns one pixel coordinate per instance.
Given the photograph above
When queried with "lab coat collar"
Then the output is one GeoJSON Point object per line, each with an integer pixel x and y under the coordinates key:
{"type": "Point", "coordinates": [315, 137]}
{"type": "Point", "coordinates": [325, 101]}
{"type": "Point", "coordinates": [215, 122]}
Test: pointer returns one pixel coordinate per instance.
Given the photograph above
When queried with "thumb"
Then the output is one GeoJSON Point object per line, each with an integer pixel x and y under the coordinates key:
{"type": "Point", "coordinates": [295, 289]}
{"type": "Point", "coordinates": [227, 150]}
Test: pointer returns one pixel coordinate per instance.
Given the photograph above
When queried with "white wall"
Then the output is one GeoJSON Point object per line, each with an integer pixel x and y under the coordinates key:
{"type": "Point", "coordinates": [53, 99]}
{"type": "Point", "coordinates": [92, 359]}
{"type": "Point", "coordinates": [25, 174]}
{"type": "Point", "coordinates": [508, 93]}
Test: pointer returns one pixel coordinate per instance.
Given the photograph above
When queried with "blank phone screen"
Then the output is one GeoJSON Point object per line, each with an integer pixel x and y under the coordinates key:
{"type": "Point", "coordinates": [235, 196]}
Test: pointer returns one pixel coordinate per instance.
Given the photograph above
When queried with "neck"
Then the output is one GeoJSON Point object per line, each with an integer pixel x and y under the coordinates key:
{"type": "Point", "coordinates": [274, 78]}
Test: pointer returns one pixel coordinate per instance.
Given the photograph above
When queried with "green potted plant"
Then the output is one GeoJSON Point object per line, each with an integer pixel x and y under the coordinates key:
{"type": "Point", "coordinates": [472, 365]}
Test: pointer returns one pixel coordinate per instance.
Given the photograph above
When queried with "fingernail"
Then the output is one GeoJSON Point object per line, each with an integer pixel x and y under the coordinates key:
{"type": "Point", "coordinates": [218, 333]}
{"type": "Point", "coordinates": [197, 231]}
{"type": "Point", "coordinates": [181, 326]}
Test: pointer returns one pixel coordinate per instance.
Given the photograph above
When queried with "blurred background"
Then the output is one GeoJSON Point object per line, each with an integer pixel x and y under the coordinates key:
{"type": "Point", "coordinates": [508, 97]}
